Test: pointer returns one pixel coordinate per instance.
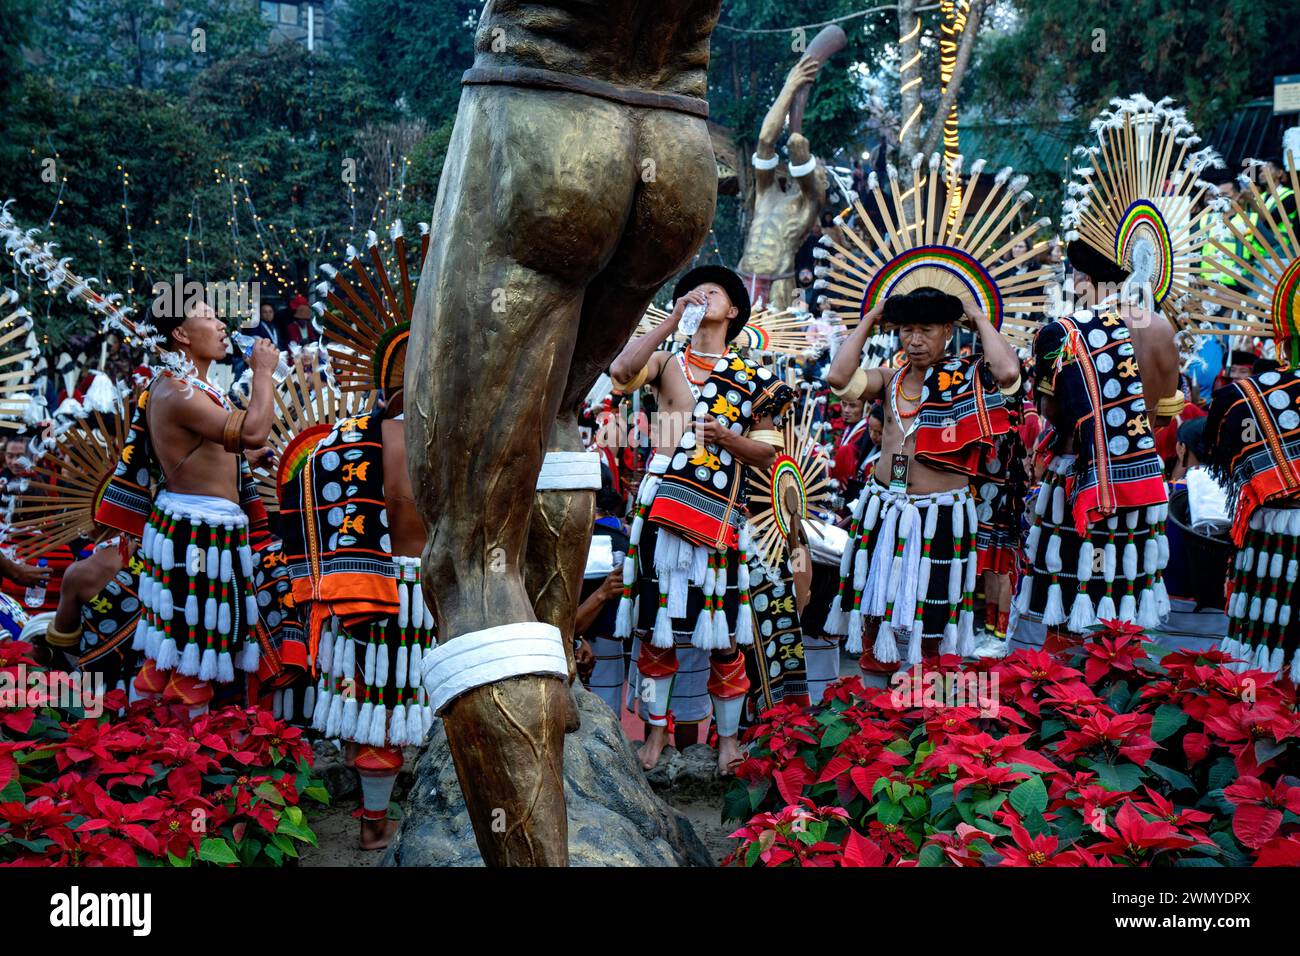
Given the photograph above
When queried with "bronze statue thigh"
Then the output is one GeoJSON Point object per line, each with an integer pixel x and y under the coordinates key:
{"type": "Point", "coordinates": [535, 196]}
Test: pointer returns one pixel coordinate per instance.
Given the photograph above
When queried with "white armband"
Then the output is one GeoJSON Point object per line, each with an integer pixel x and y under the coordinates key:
{"type": "Point", "coordinates": [771, 162]}
{"type": "Point", "coordinates": [803, 169]}
{"type": "Point", "coordinates": [570, 471]}
{"type": "Point", "coordinates": [490, 655]}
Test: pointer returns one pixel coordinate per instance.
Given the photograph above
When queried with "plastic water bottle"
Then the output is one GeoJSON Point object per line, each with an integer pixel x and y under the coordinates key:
{"type": "Point", "coordinates": [245, 345]}
{"type": "Point", "coordinates": [692, 316]}
{"type": "Point", "coordinates": [35, 596]}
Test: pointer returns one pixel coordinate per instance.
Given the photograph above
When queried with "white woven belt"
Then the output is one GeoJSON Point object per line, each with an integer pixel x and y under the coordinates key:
{"type": "Point", "coordinates": [491, 655]}
{"type": "Point", "coordinates": [570, 471]}
{"type": "Point", "coordinates": [803, 169]}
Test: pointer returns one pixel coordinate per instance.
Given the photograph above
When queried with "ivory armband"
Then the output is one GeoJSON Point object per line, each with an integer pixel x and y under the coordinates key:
{"type": "Point", "coordinates": [853, 391]}
{"type": "Point", "coordinates": [768, 436]}
{"type": "Point", "coordinates": [230, 438]}
{"type": "Point", "coordinates": [636, 382]}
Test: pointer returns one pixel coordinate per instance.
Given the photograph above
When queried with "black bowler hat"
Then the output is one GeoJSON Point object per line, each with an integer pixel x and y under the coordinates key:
{"type": "Point", "coordinates": [731, 283]}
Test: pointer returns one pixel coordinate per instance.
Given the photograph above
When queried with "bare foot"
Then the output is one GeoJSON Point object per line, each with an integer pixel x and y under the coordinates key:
{"type": "Point", "coordinates": [377, 834]}
{"type": "Point", "coordinates": [728, 755]}
{"type": "Point", "coordinates": [654, 744]}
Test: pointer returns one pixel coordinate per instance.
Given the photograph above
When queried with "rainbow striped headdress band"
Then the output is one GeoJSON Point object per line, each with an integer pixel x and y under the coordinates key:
{"type": "Point", "coordinates": [368, 321]}
{"type": "Point", "coordinates": [1265, 301]}
{"type": "Point", "coordinates": [1136, 197]}
{"type": "Point", "coordinates": [968, 236]}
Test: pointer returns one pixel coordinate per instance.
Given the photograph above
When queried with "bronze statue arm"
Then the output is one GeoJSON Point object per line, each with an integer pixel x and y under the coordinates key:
{"type": "Point", "coordinates": [800, 75]}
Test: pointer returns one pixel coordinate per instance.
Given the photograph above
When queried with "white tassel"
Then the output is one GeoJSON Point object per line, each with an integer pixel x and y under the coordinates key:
{"type": "Point", "coordinates": [854, 643]}
{"type": "Point", "coordinates": [1260, 662]}
{"type": "Point", "coordinates": [1130, 561]}
{"type": "Point", "coordinates": [251, 658]}
{"type": "Point", "coordinates": [208, 664]}
{"type": "Point", "coordinates": [677, 593]}
{"type": "Point", "coordinates": [378, 718]}
{"type": "Point", "coordinates": [361, 733]}
{"type": "Point", "coordinates": [368, 672]}
{"type": "Point", "coordinates": [1150, 556]}
{"type": "Point", "coordinates": [189, 663]}
{"type": "Point", "coordinates": [192, 610]}
{"type": "Point", "coordinates": [721, 630]}
{"type": "Point", "coordinates": [223, 618]}
{"type": "Point", "coordinates": [966, 634]}
{"type": "Point", "coordinates": [1295, 666]}
{"type": "Point", "coordinates": [662, 636]}
{"type": "Point", "coordinates": [167, 655]}
{"type": "Point", "coordinates": [1106, 608]}
{"type": "Point", "coordinates": [1054, 612]}
{"type": "Point", "coordinates": [1025, 594]}
{"type": "Point", "coordinates": [744, 626]}
{"type": "Point", "coordinates": [949, 644]}
{"type": "Point", "coordinates": [137, 640]}
{"type": "Point", "coordinates": [342, 646]}
{"type": "Point", "coordinates": [1284, 615]}
{"type": "Point", "coordinates": [334, 716]}
{"type": "Point", "coordinates": [277, 705]}
{"type": "Point", "coordinates": [1128, 608]}
{"type": "Point", "coordinates": [1163, 606]}
{"type": "Point", "coordinates": [1108, 562]}
{"type": "Point", "coordinates": [225, 667]}
{"type": "Point", "coordinates": [403, 605]}
{"type": "Point", "coordinates": [623, 619]}
{"type": "Point", "coordinates": [166, 609]}
{"type": "Point", "coordinates": [702, 635]}
{"type": "Point", "coordinates": [1082, 615]}
{"type": "Point", "coordinates": [246, 561]}
{"type": "Point", "coordinates": [403, 656]}
{"type": "Point", "coordinates": [1058, 505]}
{"type": "Point", "coordinates": [351, 717]}
{"type": "Point", "coordinates": [913, 643]}
{"type": "Point", "coordinates": [1270, 610]}
{"type": "Point", "coordinates": [213, 562]}
{"type": "Point", "coordinates": [886, 646]}
{"type": "Point", "coordinates": [325, 652]}
{"type": "Point", "coordinates": [227, 567]}
{"type": "Point", "coordinates": [1162, 540]}
{"type": "Point", "coordinates": [397, 727]}
{"type": "Point", "coordinates": [168, 561]}
{"type": "Point", "coordinates": [1275, 565]}
{"type": "Point", "coordinates": [1275, 660]}
{"type": "Point", "coordinates": [1256, 608]}
{"type": "Point", "coordinates": [417, 603]}
{"type": "Point", "coordinates": [860, 565]}
{"type": "Point", "coordinates": [414, 724]}
{"type": "Point", "coordinates": [250, 610]}
{"type": "Point", "coordinates": [1147, 618]}
{"type": "Point", "coordinates": [836, 620]}
{"type": "Point", "coordinates": [320, 713]}
{"type": "Point", "coordinates": [1261, 565]}
{"type": "Point", "coordinates": [210, 614]}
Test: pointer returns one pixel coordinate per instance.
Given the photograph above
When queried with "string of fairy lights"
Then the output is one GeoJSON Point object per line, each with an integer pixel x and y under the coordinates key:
{"type": "Point", "coordinates": [259, 250]}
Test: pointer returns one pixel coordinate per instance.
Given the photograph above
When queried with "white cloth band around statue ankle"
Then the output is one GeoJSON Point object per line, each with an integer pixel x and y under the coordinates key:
{"type": "Point", "coordinates": [490, 655]}
{"type": "Point", "coordinates": [771, 162]}
{"type": "Point", "coordinates": [570, 471]}
{"type": "Point", "coordinates": [803, 169]}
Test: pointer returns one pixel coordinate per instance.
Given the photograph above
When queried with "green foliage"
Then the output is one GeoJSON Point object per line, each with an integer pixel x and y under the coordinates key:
{"type": "Point", "coordinates": [1066, 57]}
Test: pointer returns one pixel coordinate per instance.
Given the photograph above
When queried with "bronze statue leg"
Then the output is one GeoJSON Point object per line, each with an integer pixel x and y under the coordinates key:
{"type": "Point", "coordinates": [537, 192]}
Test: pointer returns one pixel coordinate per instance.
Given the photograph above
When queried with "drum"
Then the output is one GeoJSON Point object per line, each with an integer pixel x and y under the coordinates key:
{"type": "Point", "coordinates": [1198, 563]}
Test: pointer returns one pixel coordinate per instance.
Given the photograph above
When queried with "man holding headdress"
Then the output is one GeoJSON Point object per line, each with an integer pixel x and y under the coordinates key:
{"type": "Point", "coordinates": [909, 569]}
{"type": "Point", "coordinates": [689, 542]}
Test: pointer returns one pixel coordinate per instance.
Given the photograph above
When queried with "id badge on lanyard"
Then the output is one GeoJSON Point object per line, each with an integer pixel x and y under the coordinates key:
{"type": "Point", "coordinates": [898, 473]}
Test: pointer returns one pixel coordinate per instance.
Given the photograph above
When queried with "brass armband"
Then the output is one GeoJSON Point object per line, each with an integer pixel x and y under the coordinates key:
{"type": "Point", "coordinates": [230, 438]}
{"type": "Point", "coordinates": [636, 382]}
{"type": "Point", "coordinates": [68, 641]}
{"type": "Point", "coordinates": [853, 391]}
{"type": "Point", "coordinates": [768, 436]}
{"type": "Point", "coordinates": [1010, 389]}
{"type": "Point", "coordinates": [1172, 406]}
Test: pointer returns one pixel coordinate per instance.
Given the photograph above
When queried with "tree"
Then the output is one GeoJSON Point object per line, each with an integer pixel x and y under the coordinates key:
{"type": "Point", "coordinates": [1062, 58]}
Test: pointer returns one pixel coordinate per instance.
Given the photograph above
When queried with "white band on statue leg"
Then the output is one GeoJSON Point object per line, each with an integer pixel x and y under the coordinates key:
{"type": "Point", "coordinates": [490, 655]}
{"type": "Point", "coordinates": [570, 471]}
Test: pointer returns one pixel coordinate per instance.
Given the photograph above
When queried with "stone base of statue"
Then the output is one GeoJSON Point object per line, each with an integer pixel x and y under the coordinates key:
{"type": "Point", "coordinates": [615, 818]}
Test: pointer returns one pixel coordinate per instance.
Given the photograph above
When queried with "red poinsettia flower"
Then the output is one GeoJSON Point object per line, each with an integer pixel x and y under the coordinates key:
{"type": "Point", "coordinates": [1026, 850]}
{"type": "Point", "coordinates": [1026, 678]}
{"type": "Point", "coordinates": [91, 849]}
{"type": "Point", "coordinates": [859, 851]}
{"type": "Point", "coordinates": [1137, 840]}
{"type": "Point", "coordinates": [1280, 851]}
{"type": "Point", "coordinates": [1112, 651]}
{"type": "Point", "coordinates": [957, 846]}
{"type": "Point", "coordinates": [1259, 808]}
{"type": "Point", "coordinates": [1104, 731]}
{"type": "Point", "coordinates": [1163, 809]}
{"type": "Point", "coordinates": [983, 759]}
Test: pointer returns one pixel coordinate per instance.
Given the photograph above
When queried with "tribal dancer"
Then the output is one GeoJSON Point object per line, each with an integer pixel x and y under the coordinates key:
{"type": "Point", "coordinates": [908, 574]}
{"type": "Point", "coordinates": [182, 486]}
{"type": "Point", "coordinates": [353, 539]}
{"type": "Point", "coordinates": [1096, 548]}
{"type": "Point", "coordinates": [693, 563]}
{"type": "Point", "coordinates": [1252, 439]}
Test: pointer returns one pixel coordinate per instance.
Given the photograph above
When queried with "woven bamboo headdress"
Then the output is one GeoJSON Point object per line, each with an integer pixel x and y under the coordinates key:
{"type": "Point", "coordinates": [925, 239]}
{"type": "Point", "coordinates": [1135, 200]}
{"type": "Point", "coordinates": [367, 324]}
{"type": "Point", "coordinates": [1268, 292]}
